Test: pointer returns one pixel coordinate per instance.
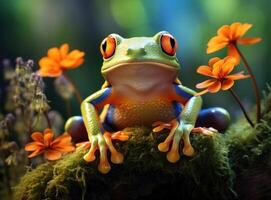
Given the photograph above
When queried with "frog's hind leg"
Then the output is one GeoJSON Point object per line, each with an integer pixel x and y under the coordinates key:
{"type": "Point", "coordinates": [215, 118]}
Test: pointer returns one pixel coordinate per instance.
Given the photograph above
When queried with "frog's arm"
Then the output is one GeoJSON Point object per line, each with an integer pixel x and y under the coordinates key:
{"type": "Point", "coordinates": [90, 107]}
{"type": "Point", "coordinates": [192, 104]}
{"type": "Point", "coordinates": [185, 122]}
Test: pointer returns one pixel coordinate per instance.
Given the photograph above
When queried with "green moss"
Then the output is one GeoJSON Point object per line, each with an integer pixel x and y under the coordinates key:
{"type": "Point", "coordinates": [144, 174]}
{"type": "Point", "coordinates": [247, 146]}
{"type": "Point", "coordinates": [34, 182]}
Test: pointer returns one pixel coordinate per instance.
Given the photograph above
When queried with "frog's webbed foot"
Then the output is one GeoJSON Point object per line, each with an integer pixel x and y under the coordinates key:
{"type": "Point", "coordinates": [174, 139]}
{"type": "Point", "coordinates": [103, 143]}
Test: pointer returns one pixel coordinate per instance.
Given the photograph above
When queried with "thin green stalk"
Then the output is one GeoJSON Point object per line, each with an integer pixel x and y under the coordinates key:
{"type": "Point", "coordinates": [242, 107]}
{"type": "Point", "coordinates": [76, 90]}
{"type": "Point", "coordinates": [254, 83]}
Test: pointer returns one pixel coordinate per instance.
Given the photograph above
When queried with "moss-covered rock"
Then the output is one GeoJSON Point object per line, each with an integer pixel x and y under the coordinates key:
{"type": "Point", "coordinates": [144, 174]}
{"type": "Point", "coordinates": [236, 165]}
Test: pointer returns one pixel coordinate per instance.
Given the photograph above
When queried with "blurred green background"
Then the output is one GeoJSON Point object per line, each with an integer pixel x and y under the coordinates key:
{"type": "Point", "coordinates": [30, 27]}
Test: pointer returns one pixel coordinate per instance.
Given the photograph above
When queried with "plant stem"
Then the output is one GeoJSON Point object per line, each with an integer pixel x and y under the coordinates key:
{"type": "Point", "coordinates": [68, 107]}
{"type": "Point", "coordinates": [254, 83]}
{"type": "Point", "coordinates": [241, 106]}
{"type": "Point", "coordinates": [76, 91]}
{"type": "Point", "coordinates": [47, 119]}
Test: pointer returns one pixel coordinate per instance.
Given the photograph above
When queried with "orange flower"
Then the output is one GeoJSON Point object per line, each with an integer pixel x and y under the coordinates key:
{"type": "Point", "coordinates": [52, 149]}
{"type": "Point", "coordinates": [230, 35]}
{"type": "Point", "coordinates": [59, 59]}
{"type": "Point", "coordinates": [219, 70]}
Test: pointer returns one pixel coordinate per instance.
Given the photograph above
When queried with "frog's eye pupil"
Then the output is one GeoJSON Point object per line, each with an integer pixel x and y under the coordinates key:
{"type": "Point", "coordinates": [104, 46]}
{"type": "Point", "coordinates": [168, 44]}
{"type": "Point", "coordinates": [108, 47]}
{"type": "Point", "coordinates": [172, 42]}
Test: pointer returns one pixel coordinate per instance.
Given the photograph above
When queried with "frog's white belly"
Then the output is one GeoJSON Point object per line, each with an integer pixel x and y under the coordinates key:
{"type": "Point", "coordinates": [142, 94]}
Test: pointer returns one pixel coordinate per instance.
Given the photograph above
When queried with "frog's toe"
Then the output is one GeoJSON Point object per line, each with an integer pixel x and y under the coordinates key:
{"type": "Point", "coordinates": [90, 155]}
{"type": "Point", "coordinates": [120, 135]}
{"type": "Point", "coordinates": [205, 131]}
{"type": "Point", "coordinates": [188, 149]}
{"type": "Point", "coordinates": [164, 146]}
{"type": "Point", "coordinates": [173, 155]}
{"type": "Point", "coordinates": [159, 126]}
{"type": "Point", "coordinates": [116, 157]}
{"type": "Point", "coordinates": [104, 166]}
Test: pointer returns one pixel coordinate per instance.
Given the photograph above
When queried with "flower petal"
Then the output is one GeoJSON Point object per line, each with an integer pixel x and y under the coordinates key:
{"type": "Point", "coordinates": [243, 29]}
{"type": "Point", "coordinates": [215, 48]}
{"type": "Point", "coordinates": [234, 53]}
{"type": "Point", "coordinates": [217, 68]}
{"type": "Point", "coordinates": [215, 87]}
{"type": "Point", "coordinates": [33, 146]}
{"type": "Point", "coordinates": [78, 62]}
{"type": "Point", "coordinates": [64, 49]}
{"type": "Point", "coordinates": [54, 54]}
{"type": "Point", "coordinates": [237, 76]}
{"type": "Point", "coordinates": [35, 153]}
{"type": "Point", "coordinates": [37, 136]}
{"type": "Point", "coordinates": [217, 40]}
{"type": "Point", "coordinates": [75, 54]}
{"type": "Point", "coordinates": [247, 41]}
{"type": "Point", "coordinates": [49, 67]}
{"type": "Point", "coordinates": [227, 84]}
{"type": "Point", "coordinates": [48, 136]}
{"type": "Point", "coordinates": [202, 92]}
{"type": "Point", "coordinates": [64, 148]}
{"type": "Point", "coordinates": [228, 66]}
{"type": "Point", "coordinates": [52, 154]}
{"type": "Point", "coordinates": [212, 61]}
{"type": "Point", "coordinates": [205, 84]}
{"type": "Point", "coordinates": [205, 70]}
{"type": "Point", "coordinates": [62, 139]}
{"type": "Point", "coordinates": [224, 31]}
{"type": "Point", "coordinates": [233, 30]}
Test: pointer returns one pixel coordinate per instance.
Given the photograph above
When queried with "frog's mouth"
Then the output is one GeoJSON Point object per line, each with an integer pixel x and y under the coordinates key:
{"type": "Point", "coordinates": [141, 75]}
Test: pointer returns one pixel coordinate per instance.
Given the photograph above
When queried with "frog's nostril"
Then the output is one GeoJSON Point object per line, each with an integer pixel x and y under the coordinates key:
{"type": "Point", "coordinates": [136, 51]}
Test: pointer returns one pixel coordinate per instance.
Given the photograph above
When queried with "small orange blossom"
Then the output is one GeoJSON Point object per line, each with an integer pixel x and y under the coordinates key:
{"type": "Point", "coordinates": [229, 36]}
{"type": "Point", "coordinates": [219, 70]}
{"type": "Point", "coordinates": [59, 59]}
{"type": "Point", "coordinates": [52, 149]}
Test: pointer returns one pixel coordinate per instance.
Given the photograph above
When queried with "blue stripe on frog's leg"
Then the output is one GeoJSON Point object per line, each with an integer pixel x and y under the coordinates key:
{"type": "Point", "coordinates": [215, 117]}
{"type": "Point", "coordinates": [108, 123]}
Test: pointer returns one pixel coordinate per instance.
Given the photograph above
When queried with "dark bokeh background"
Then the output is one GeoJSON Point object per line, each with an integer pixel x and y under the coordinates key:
{"type": "Point", "coordinates": [29, 27]}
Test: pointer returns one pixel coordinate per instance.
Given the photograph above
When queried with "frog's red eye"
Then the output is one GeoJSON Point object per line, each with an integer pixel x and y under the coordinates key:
{"type": "Point", "coordinates": [168, 44]}
{"type": "Point", "coordinates": [108, 47]}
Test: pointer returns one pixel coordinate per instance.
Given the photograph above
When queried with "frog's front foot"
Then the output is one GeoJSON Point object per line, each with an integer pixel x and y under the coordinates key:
{"type": "Point", "coordinates": [178, 131]}
{"type": "Point", "coordinates": [103, 143]}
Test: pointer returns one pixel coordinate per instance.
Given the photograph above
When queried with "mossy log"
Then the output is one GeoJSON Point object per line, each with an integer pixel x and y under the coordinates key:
{"type": "Point", "coordinates": [145, 173]}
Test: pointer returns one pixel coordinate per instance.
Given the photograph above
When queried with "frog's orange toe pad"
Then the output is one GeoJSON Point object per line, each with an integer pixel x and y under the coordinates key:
{"type": "Point", "coordinates": [89, 157]}
{"type": "Point", "coordinates": [104, 166]}
{"type": "Point", "coordinates": [188, 151]}
{"type": "Point", "coordinates": [163, 147]}
{"type": "Point", "coordinates": [173, 156]}
{"type": "Point", "coordinates": [116, 158]}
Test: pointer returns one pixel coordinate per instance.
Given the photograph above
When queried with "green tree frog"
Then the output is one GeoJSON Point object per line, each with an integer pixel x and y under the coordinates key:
{"type": "Point", "coordinates": [142, 89]}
